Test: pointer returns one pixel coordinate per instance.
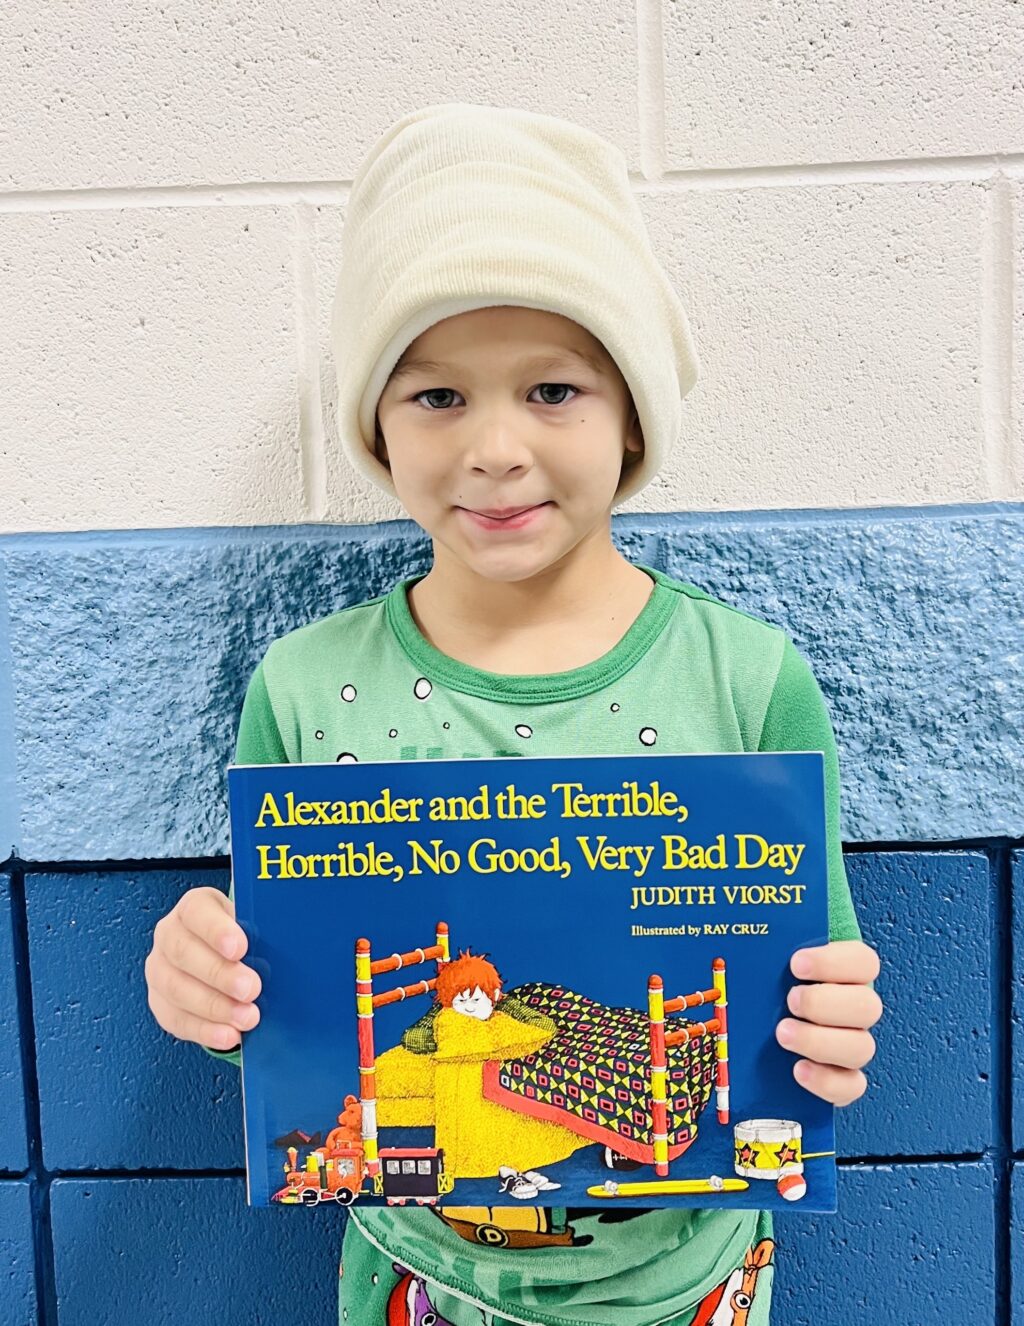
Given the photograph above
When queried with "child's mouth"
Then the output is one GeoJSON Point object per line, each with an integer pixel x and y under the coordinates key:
{"type": "Point", "coordinates": [516, 521]}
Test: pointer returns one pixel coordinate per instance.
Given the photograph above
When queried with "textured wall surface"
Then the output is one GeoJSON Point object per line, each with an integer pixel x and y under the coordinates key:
{"type": "Point", "coordinates": [136, 1249]}
{"type": "Point", "coordinates": [1015, 924]}
{"type": "Point", "coordinates": [98, 1062]}
{"type": "Point", "coordinates": [13, 1141]}
{"type": "Point", "coordinates": [915, 1243]}
{"type": "Point", "coordinates": [1017, 1244]}
{"type": "Point", "coordinates": [131, 653]}
{"type": "Point", "coordinates": [18, 1302]}
{"type": "Point", "coordinates": [836, 199]}
{"type": "Point", "coordinates": [100, 1059]}
{"type": "Point", "coordinates": [928, 914]}
{"type": "Point", "coordinates": [853, 341]}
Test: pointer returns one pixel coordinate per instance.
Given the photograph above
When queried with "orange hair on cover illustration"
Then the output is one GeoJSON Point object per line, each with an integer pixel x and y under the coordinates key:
{"type": "Point", "coordinates": [466, 972]}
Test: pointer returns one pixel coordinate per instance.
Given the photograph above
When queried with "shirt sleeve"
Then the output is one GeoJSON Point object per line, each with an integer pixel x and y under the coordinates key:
{"type": "Point", "coordinates": [259, 742]}
{"type": "Point", "coordinates": [797, 719]}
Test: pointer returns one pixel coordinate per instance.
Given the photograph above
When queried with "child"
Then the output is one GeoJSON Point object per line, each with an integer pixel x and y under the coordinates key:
{"type": "Point", "coordinates": [442, 1058]}
{"type": "Point", "coordinates": [511, 362]}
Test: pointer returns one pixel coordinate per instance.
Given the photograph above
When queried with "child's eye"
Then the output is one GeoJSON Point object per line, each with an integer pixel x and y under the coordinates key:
{"type": "Point", "coordinates": [558, 386]}
{"type": "Point", "coordinates": [447, 391]}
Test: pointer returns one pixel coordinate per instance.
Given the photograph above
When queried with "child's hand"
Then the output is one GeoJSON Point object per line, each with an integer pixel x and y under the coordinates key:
{"type": "Point", "coordinates": [832, 1034]}
{"type": "Point", "coordinates": [193, 970]}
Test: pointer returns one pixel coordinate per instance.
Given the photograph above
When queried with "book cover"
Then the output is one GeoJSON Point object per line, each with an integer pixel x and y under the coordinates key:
{"type": "Point", "coordinates": [534, 983]}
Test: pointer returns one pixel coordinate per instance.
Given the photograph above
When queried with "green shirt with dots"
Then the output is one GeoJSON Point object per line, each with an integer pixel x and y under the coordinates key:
{"type": "Point", "coordinates": [691, 675]}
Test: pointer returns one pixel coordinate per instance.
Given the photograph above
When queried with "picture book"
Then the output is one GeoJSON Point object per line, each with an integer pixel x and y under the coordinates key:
{"type": "Point", "coordinates": [533, 983]}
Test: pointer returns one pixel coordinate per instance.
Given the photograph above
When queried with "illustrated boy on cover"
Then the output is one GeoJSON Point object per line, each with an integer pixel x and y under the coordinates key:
{"type": "Point", "coordinates": [511, 363]}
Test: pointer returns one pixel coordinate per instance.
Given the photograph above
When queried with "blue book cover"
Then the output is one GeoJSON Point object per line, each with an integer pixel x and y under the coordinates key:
{"type": "Point", "coordinates": [540, 983]}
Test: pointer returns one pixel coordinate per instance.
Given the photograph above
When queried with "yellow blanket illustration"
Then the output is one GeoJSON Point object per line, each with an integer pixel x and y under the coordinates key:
{"type": "Point", "coordinates": [445, 1089]}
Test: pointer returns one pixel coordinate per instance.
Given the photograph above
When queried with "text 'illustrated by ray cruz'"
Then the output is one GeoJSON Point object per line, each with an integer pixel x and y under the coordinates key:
{"type": "Point", "coordinates": [530, 983]}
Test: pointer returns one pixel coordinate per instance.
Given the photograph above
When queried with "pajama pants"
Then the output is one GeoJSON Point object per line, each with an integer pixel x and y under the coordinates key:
{"type": "Point", "coordinates": [375, 1289]}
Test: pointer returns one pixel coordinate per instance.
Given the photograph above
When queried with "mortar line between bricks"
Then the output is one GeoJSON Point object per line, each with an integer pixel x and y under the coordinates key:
{"type": "Point", "coordinates": [986, 843]}
{"type": "Point", "coordinates": [162, 1172]}
{"type": "Point", "coordinates": [335, 191]}
{"type": "Point", "coordinates": [111, 864]}
{"type": "Point", "coordinates": [907, 1162]}
{"type": "Point", "coordinates": [169, 1172]}
{"type": "Point", "coordinates": [1001, 1086]}
{"type": "Point", "coordinates": [44, 1265]}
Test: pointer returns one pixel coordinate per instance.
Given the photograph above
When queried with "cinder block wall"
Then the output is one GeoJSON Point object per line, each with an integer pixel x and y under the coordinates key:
{"type": "Point", "coordinates": [837, 199]}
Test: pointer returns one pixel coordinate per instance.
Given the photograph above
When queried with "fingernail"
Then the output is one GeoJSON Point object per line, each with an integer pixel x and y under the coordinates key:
{"type": "Point", "coordinates": [796, 999]}
{"type": "Point", "coordinates": [801, 964]}
{"type": "Point", "coordinates": [802, 1072]}
{"type": "Point", "coordinates": [786, 1031]}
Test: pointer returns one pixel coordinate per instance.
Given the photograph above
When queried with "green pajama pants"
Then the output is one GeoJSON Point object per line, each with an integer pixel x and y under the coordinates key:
{"type": "Point", "coordinates": [377, 1288]}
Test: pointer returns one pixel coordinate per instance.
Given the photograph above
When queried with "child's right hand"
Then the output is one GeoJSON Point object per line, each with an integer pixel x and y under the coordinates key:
{"type": "Point", "coordinates": [199, 990]}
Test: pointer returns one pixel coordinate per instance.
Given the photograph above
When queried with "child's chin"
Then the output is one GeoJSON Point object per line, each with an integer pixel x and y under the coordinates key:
{"type": "Point", "coordinates": [509, 565]}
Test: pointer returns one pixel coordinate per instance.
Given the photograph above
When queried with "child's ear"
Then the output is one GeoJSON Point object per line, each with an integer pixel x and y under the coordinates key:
{"type": "Point", "coordinates": [634, 437]}
{"type": "Point", "coordinates": [633, 453]}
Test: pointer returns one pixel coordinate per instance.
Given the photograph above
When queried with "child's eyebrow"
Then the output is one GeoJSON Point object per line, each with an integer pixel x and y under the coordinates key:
{"type": "Point", "coordinates": [564, 359]}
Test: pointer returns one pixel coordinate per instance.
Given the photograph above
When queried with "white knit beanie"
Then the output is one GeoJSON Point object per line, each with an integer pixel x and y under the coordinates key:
{"type": "Point", "coordinates": [460, 207]}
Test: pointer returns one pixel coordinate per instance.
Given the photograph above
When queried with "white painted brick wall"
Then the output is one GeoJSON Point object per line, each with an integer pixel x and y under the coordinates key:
{"type": "Point", "coordinates": [834, 188]}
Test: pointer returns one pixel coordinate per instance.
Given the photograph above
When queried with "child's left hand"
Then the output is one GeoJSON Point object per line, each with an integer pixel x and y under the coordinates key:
{"type": "Point", "coordinates": [834, 1016]}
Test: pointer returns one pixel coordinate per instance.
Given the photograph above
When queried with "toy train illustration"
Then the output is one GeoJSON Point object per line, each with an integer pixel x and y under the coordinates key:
{"type": "Point", "coordinates": [407, 1174]}
{"type": "Point", "coordinates": [413, 1174]}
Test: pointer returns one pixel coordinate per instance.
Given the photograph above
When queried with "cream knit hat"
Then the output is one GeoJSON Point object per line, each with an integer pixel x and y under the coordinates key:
{"type": "Point", "coordinates": [460, 207]}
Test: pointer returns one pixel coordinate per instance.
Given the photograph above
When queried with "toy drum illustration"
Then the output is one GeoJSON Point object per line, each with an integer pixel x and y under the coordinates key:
{"type": "Point", "coordinates": [767, 1148]}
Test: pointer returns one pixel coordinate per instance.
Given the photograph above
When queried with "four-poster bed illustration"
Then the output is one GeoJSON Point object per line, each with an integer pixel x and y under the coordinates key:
{"type": "Point", "coordinates": [633, 1081]}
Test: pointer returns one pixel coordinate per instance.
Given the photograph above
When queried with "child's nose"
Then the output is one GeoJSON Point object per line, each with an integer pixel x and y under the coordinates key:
{"type": "Point", "coordinates": [498, 447]}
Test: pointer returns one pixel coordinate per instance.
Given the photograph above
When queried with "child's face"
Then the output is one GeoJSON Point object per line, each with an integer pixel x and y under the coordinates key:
{"type": "Point", "coordinates": [474, 1003]}
{"type": "Point", "coordinates": [490, 431]}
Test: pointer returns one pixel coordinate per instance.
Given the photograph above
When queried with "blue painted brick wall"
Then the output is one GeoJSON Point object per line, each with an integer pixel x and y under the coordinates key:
{"type": "Point", "coordinates": [13, 1137]}
{"type": "Point", "coordinates": [914, 1243]}
{"type": "Point", "coordinates": [127, 661]}
{"type": "Point", "coordinates": [187, 1249]}
{"type": "Point", "coordinates": [123, 660]}
{"type": "Point", "coordinates": [1017, 1245]}
{"type": "Point", "coordinates": [18, 1303]}
{"type": "Point", "coordinates": [928, 914]}
{"type": "Point", "coordinates": [1017, 867]}
{"type": "Point", "coordinates": [103, 1062]}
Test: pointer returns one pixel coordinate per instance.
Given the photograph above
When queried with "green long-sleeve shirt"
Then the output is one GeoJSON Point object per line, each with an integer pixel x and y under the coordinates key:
{"type": "Point", "coordinates": [691, 675]}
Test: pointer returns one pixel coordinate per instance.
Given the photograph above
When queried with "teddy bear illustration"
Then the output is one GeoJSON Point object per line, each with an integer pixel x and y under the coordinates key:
{"type": "Point", "coordinates": [348, 1131]}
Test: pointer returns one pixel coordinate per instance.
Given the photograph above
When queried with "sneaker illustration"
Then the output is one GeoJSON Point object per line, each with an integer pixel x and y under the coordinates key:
{"type": "Point", "coordinates": [540, 1181]}
{"type": "Point", "coordinates": [517, 1185]}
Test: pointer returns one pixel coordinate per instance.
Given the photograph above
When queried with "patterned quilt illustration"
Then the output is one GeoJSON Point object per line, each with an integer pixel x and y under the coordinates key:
{"type": "Point", "coordinates": [596, 1070]}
